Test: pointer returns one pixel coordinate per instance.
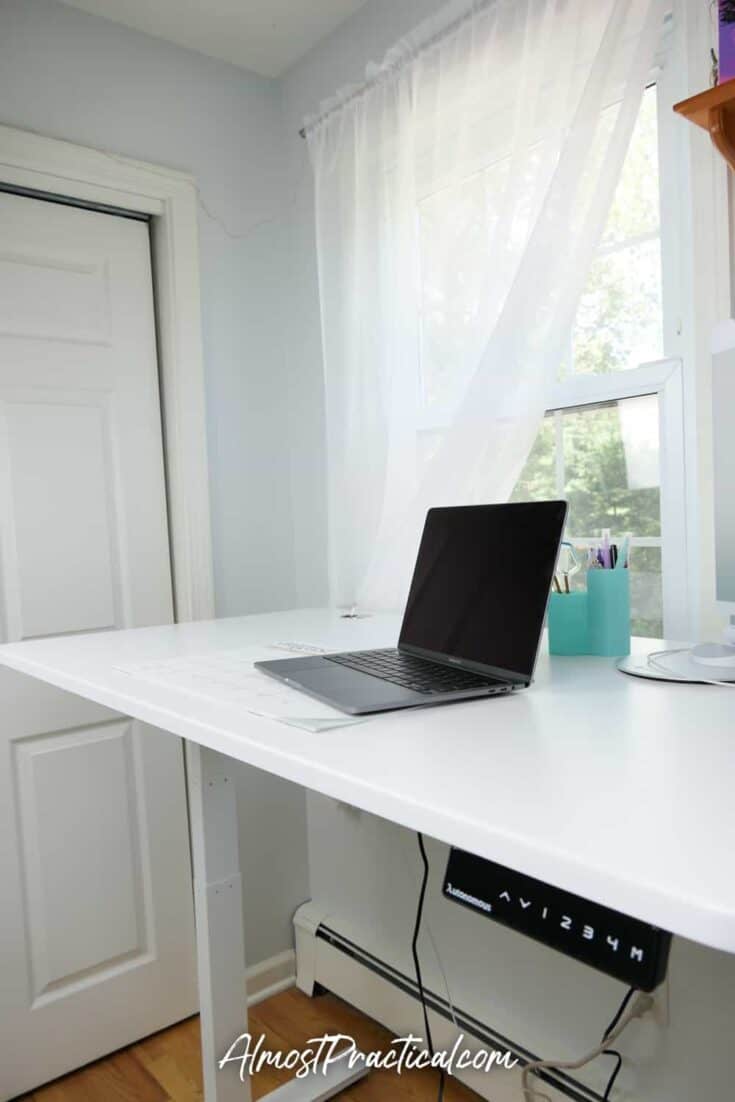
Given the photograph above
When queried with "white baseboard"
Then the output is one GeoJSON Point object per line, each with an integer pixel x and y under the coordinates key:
{"type": "Point", "coordinates": [271, 976]}
{"type": "Point", "coordinates": [326, 958]}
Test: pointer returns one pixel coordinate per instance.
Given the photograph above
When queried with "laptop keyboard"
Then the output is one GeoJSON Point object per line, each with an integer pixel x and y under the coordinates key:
{"type": "Point", "coordinates": [414, 673]}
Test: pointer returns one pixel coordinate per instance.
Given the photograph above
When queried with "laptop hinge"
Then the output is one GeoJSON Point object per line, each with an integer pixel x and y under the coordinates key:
{"type": "Point", "coordinates": [518, 680]}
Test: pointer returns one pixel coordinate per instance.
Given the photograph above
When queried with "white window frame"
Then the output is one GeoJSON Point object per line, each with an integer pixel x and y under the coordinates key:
{"type": "Point", "coordinates": [695, 247]}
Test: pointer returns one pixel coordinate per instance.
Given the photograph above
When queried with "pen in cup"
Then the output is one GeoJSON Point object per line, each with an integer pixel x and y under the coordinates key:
{"type": "Point", "coordinates": [605, 549]}
{"type": "Point", "coordinates": [608, 555]}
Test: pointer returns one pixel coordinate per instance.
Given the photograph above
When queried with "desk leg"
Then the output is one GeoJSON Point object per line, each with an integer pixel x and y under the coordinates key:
{"type": "Point", "coordinates": [219, 920]}
{"type": "Point", "coordinates": [220, 939]}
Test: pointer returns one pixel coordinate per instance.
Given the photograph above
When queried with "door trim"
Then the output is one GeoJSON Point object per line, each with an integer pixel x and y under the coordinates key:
{"type": "Point", "coordinates": [170, 198]}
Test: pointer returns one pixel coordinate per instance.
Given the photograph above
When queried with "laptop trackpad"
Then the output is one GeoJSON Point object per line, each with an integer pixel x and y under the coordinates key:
{"type": "Point", "coordinates": [354, 691]}
{"type": "Point", "coordinates": [346, 689]}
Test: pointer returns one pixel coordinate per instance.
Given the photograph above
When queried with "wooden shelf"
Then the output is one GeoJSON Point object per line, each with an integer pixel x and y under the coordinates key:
{"type": "Point", "coordinates": [714, 111]}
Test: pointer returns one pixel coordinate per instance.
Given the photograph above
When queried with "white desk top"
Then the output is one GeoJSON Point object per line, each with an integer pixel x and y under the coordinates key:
{"type": "Point", "coordinates": [618, 789]}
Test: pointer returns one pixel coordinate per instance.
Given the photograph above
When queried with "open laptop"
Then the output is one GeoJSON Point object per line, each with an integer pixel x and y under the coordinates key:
{"type": "Point", "coordinates": [473, 618]}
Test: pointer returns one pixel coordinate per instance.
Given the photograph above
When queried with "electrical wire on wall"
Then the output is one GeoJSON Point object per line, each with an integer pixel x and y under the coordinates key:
{"type": "Point", "coordinates": [625, 1014]}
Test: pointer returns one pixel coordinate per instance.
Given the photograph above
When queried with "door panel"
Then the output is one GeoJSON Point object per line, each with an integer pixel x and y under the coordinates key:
{"type": "Point", "coordinates": [79, 850]}
{"type": "Point", "coordinates": [96, 921]}
{"type": "Point", "coordinates": [60, 484]}
{"type": "Point", "coordinates": [46, 297]}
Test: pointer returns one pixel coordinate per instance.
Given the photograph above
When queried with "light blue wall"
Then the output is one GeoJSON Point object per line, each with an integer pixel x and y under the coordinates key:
{"type": "Point", "coordinates": [70, 75]}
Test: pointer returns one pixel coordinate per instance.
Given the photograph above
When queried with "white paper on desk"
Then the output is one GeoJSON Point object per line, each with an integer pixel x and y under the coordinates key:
{"type": "Point", "coordinates": [228, 677]}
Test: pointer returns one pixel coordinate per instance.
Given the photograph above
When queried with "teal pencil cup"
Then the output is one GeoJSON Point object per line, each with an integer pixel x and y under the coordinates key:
{"type": "Point", "coordinates": [609, 612]}
{"type": "Point", "coordinates": [567, 623]}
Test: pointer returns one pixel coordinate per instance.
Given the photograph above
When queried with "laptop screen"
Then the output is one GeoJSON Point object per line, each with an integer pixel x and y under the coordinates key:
{"type": "Point", "coordinates": [481, 583]}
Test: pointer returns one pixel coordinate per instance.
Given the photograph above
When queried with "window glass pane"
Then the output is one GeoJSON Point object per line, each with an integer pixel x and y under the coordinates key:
{"type": "Point", "coordinates": [646, 597]}
{"type": "Point", "coordinates": [611, 467]}
{"type": "Point", "coordinates": [609, 473]}
{"type": "Point", "coordinates": [538, 478]}
{"type": "Point", "coordinates": [619, 323]}
{"type": "Point", "coordinates": [636, 208]}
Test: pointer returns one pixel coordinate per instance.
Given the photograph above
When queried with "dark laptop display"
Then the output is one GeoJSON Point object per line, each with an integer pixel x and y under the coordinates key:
{"type": "Point", "coordinates": [481, 584]}
{"type": "Point", "coordinates": [473, 619]}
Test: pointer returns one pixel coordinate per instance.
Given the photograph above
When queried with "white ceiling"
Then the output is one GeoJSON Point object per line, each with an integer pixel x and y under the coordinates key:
{"type": "Point", "coordinates": [266, 36]}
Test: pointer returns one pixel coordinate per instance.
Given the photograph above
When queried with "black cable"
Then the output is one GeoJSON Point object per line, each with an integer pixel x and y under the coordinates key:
{"type": "Point", "coordinates": [420, 983]}
{"type": "Point", "coordinates": [417, 964]}
{"type": "Point", "coordinates": [618, 1065]}
{"type": "Point", "coordinates": [613, 1051]}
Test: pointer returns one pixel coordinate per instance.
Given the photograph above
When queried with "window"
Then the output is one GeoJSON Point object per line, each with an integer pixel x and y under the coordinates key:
{"type": "Point", "coordinates": [612, 439]}
{"type": "Point", "coordinates": [602, 445]}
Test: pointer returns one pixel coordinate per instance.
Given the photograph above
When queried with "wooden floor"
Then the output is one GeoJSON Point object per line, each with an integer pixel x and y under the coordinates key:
{"type": "Point", "coordinates": [166, 1066]}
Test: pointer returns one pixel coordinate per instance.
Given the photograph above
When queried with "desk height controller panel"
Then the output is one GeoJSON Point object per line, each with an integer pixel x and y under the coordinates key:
{"type": "Point", "coordinates": [621, 946]}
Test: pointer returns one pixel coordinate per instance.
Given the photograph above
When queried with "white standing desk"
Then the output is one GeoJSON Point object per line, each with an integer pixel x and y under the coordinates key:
{"type": "Point", "coordinates": [617, 789]}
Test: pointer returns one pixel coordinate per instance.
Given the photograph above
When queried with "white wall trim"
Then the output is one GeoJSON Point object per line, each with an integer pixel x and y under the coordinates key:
{"type": "Point", "coordinates": [45, 164]}
{"type": "Point", "coordinates": [306, 922]}
{"type": "Point", "coordinates": [271, 976]}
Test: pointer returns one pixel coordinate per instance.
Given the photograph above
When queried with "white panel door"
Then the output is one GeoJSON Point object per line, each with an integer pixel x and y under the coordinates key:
{"type": "Point", "coordinates": [96, 913]}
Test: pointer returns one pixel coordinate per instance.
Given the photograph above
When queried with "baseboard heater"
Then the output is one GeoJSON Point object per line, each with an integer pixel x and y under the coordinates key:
{"type": "Point", "coordinates": [334, 970]}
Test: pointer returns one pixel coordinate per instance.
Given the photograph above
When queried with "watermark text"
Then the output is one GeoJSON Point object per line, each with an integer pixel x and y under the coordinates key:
{"type": "Point", "coordinates": [322, 1053]}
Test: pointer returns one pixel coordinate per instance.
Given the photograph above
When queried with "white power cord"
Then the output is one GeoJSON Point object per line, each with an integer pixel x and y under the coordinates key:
{"type": "Point", "coordinates": [654, 660]}
{"type": "Point", "coordinates": [640, 1006]}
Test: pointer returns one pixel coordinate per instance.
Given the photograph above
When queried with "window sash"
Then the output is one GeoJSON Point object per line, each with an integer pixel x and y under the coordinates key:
{"type": "Point", "coordinates": [663, 379]}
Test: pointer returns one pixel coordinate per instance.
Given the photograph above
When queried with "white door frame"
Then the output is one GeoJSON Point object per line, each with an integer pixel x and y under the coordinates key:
{"type": "Point", "coordinates": [170, 198]}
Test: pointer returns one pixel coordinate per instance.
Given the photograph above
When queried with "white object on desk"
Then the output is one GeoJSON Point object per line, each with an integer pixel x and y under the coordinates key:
{"type": "Point", "coordinates": [230, 676]}
{"type": "Point", "coordinates": [678, 664]}
{"type": "Point", "coordinates": [719, 655]}
{"type": "Point", "coordinates": [593, 782]}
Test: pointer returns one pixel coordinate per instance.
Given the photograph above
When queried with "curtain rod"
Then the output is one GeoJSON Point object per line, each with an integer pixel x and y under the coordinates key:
{"type": "Point", "coordinates": [452, 26]}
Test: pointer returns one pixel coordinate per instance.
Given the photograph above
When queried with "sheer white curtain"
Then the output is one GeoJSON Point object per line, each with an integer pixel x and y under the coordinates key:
{"type": "Point", "coordinates": [459, 197]}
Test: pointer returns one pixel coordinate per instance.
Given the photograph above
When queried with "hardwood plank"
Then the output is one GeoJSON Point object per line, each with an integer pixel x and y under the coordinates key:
{"type": "Point", "coordinates": [298, 1017]}
{"type": "Point", "coordinates": [117, 1078]}
{"type": "Point", "coordinates": [166, 1066]}
{"type": "Point", "coordinates": [173, 1058]}
{"type": "Point", "coordinates": [173, 1062]}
